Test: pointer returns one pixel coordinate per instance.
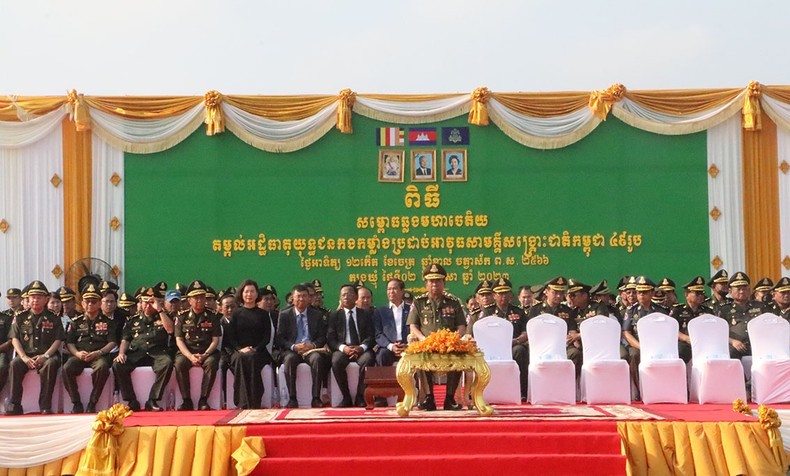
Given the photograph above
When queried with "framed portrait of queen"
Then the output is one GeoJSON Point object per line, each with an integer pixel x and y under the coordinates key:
{"type": "Point", "coordinates": [454, 165]}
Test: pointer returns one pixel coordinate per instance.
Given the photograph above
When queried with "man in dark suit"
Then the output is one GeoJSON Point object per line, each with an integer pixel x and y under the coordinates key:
{"type": "Point", "coordinates": [424, 169]}
{"type": "Point", "coordinates": [301, 337]}
{"type": "Point", "coordinates": [351, 338]}
{"type": "Point", "coordinates": [389, 321]}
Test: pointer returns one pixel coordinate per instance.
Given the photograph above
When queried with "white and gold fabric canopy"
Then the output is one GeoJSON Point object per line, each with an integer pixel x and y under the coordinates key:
{"type": "Point", "coordinates": [61, 157]}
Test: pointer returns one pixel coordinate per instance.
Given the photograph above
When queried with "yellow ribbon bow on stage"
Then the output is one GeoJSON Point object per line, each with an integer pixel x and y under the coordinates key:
{"type": "Point", "coordinates": [101, 454]}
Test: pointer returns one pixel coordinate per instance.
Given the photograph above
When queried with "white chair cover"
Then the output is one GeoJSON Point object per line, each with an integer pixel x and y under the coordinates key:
{"type": "Point", "coordinates": [770, 340]}
{"type": "Point", "coordinates": [604, 377]}
{"type": "Point", "coordinates": [143, 379]}
{"type": "Point", "coordinates": [267, 373]}
{"type": "Point", "coordinates": [715, 377]}
{"type": "Point", "coordinates": [494, 337]}
{"type": "Point", "coordinates": [195, 381]}
{"type": "Point", "coordinates": [551, 377]}
{"type": "Point", "coordinates": [352, 374]}
{"type": "Point", "coordinates": [31, 390]}
{"type": "Point", "coordinates": [662, 375]}
{"type": "Point", "coordinates": [85, 387]}
{"type": "Point", "coordinates": [304, 385]}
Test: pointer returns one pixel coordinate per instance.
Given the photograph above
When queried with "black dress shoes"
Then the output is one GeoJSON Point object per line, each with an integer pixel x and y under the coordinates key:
{"type": "Point", "coordinates": [91, 408]}
{"type": "Point", "coordinates": [203, 404]}
{"type": "Point", "coordinates": [77, 408]}
{"type": "Point", "coordinates": [429, 404]}
{"type": "Point", "coordinates": [14, 409]}
{"type": "Point", "coordinates": [292, 403]}
{"type": "Point", "coordinates": [360, 402]}
{"type": "Point", "coordinates": [449, 404]}
{"type": "Point", "coordinates": [186, 405]}
{"type": "Point", "coordinates": [346, 402]}
{"type": "Point", "coordinates": [134, 405]}
{"type": "Point", "coordinates": [46, 411]}
{"type": "Point", "coordinates": [317, 403]}
{"type": "Point", "coordinates": [151, 406]}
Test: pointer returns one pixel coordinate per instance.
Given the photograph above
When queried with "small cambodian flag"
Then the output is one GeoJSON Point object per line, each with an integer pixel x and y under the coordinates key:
{"type": "Point", "coordinates": [422, 136]}
{"type": "Point", "coordinates": [389, 136]}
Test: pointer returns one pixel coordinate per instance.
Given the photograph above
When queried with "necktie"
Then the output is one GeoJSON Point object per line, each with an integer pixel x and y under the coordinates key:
{"type": "Point", "coordinates": [352, 326]}
{"type": "Point", "coordinates": [303, 327]}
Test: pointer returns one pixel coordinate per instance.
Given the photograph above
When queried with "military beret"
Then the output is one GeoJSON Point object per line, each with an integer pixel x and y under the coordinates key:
{"type": "Point", "coordinates": [502, 286]}
{"type": "Point", "coordinates": [558, 284]}
{"type": "Point", "coordinates": [197, 288]}
{"type": "Point", "coordinates": [86, 280]}
{"type": "Point", "coordinates": [720, 277]}
{"type": "Point", "coordinates": [666, 284]}
{"type": "Point", "coordinates": [434, 271]}
{"type": "Point", "coordinates": [484, 287]}
{"type": "Point", "coordinates": [739, 279]}
{"type": "Point", "coordinates": [643, 283]}
{"type": "Point", "coordinates": [575, 286]}
{"type": "Point", "coordinates": [783, 285]}
{"type": "Point", "coordinates": [90, 292]}
{"type": "Point", "coordinates": [764, 284]}
{"type": "Point", "coordinates": [696, 284]}
{"type": "Point", "coordinates": [37, 287]}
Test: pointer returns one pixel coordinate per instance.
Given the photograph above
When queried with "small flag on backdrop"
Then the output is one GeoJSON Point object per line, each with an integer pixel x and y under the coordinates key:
{"type": "Point", "coordinates": [455, 136]}
{"type": "Point", "coordinates": [422, 136]}
{"type": "Point", "coordinates": [389, 136]}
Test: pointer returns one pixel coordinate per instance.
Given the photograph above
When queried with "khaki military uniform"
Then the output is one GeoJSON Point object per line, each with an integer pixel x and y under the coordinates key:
{"type": "Point", "coordinates": [198, 331]}
{"type": "Point", "coordinates": [683, 313]}
{"type": "Point", "coordinates": [783, 313]}
{"type": "Point", "coordinates": [6, 349]}
{"type": "Point", "coordinates": [89, 335]}
{"type": "Point", "coordinates": [716, 304]}
{"type": "Point", "coordinates": [148, 346]}
{"type": "Point", "coordinates": [433, 315]}
{"type": "Point", "coordinates": [36, 334]}
{"type": "Point", "coordinates": [739, 316]}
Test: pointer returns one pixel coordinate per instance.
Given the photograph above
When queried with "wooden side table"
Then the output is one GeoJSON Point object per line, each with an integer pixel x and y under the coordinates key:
{"type": "Point", "coordinates": [381, 382]}
{"type": "Point", "coordinates": [411, 363]}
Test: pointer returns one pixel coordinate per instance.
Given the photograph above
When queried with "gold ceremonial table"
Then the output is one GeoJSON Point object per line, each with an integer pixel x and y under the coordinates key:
{"type": "Point", "coordinates": [433, 362]}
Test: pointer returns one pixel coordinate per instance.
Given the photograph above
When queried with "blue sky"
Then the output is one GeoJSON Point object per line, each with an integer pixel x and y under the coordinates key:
{"type": "Point", "coordinates": [177, 47]}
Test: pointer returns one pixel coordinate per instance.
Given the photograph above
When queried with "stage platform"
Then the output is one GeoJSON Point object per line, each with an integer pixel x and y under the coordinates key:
{"type": "Point", "coordinates": [517, 439]}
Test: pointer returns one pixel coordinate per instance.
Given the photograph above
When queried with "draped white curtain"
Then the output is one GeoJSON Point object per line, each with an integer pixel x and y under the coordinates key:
{"type": "Point", "coordinates": [413, 112]}
{"type": "Point", "coordinates": [23, 134]}
{"type": "Point", "coordinates": [783, 146]}
{"type": "Point", "coordinates": [33, 244]}
{"type": "Point", "coordinates": [543, 132]}
{"type": "Point", "coordinates": [29, 442]}
{"type": "Point", "coordinates": [725, 192]}
{"type": "Point", "coordinates": [647, 119]}
{"type": "Point", "coordinates": [108, 203]}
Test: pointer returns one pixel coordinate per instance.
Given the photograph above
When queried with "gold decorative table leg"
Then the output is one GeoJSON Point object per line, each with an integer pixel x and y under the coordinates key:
{"type": "Point", "coordinates": [482, 377]}
{"type": "Point", "coordinates": [405, 374]}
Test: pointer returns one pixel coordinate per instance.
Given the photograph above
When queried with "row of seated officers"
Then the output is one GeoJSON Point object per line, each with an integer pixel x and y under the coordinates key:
{"type": "Point", "coordinates": [239, 337]}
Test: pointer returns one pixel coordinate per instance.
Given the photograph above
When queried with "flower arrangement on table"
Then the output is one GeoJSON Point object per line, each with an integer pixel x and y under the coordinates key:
{"type": "Point", "coordinates": [442, 342]}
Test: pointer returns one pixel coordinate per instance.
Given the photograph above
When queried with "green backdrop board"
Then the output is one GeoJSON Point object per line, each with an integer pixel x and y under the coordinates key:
{"type": "Point", "coordinates": [620, 201]}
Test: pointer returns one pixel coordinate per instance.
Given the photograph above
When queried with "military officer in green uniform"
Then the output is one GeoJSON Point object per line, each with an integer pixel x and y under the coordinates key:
{"type": "Point", "coordinates": [36, 335]}
{"type": "Point", "coordinates": [484, 298]}
{"type": "Point", "coordinates": [6, 349]}
{"type": "Point", "coordinates": [13, 298]}
{"type": "Point", "coordinates": [719, 288]}
{"type": "Point", "coordinates": [626, 289]}
{"type": "Point", "coordinates": [667, 286]}
{"type": "Point", "coordinates": [781, 295]}
{"type": "Point", "coordinates": [91, 337]}
{"type": "Point", "coordinates": [763, 291]}
{"type": "Point", "coordinates": [683, 313]}
{"type": "Point", "coordinates": [555, 294]}
{"type": "Point", "coordinates": [144, 343]}
{"type": "Point", "coordinates": [739, 312]}
{"type": "Point", "coordinates": [645, 288]}
{"type": "Point", "coordinates": [601, 294]}
{"type": "Point", "coordinates": [433, 311]}
{"type": "Point", "coordinates": [197, 332]}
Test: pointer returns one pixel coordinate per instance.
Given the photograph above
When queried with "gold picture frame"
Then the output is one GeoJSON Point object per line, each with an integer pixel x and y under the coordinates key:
{"type": "Point", "coordinates": [454, 165]}
{"type": "Point", "coordinates": [423, 165]}
{"type": "Point", "coordinates": [391, 162]}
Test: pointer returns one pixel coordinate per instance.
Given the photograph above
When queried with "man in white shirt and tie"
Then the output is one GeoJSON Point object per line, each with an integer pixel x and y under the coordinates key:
{"type": "Point", "coordinates": [350, 337]}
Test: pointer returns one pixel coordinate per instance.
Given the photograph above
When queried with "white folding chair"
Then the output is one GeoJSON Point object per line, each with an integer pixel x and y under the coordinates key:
{"type": "Point", "coordinates": [604, 377]}
{"type": "Point", "coordinates": [85, 387]}
{"type": "Point", "coordinates": [31, 390]}
{"type": "Point", "coordinates": [352, 374]}
{"type": "Point", "coordinates": [662, 375]}
{"type": "Point", "coordinates": [551, 377]}
{"type": "Point", "coordinates": [715, 377]}
{"type": "Point", "coordinates": [304, 385]}
{"type": "Point", "coordinates": [267, 373]}
{"type": "Point", "coordinates": [770, 340]}
{"type": "Point", "coordinates": [494, 336]}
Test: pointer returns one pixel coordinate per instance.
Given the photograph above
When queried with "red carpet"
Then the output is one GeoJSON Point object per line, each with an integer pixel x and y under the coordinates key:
{"type": "Point", "coordinates": [440, 448]}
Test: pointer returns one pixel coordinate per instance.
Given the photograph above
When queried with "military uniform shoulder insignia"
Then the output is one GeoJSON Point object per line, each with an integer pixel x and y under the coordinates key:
{"type": "Point", "coordinates": [451, 297]}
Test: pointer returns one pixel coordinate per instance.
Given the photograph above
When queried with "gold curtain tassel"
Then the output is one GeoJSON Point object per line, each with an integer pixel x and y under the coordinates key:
{"type": "Point", "coordinates": [214, 121]}
{"type": "Point", "coordinates": [751, 108]}
{"type": "Point", "coordinates": [601, 102]}
{"type": "Point", "coordinates": [478, 115]}
{"type": "Point", "coordinates": [347, 98]}
{"type": "Point", "coordinates": [78, 111]}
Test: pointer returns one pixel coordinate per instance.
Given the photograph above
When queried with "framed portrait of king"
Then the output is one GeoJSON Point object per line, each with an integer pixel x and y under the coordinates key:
{"type": "Point", "coordinates": [423, 165]}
